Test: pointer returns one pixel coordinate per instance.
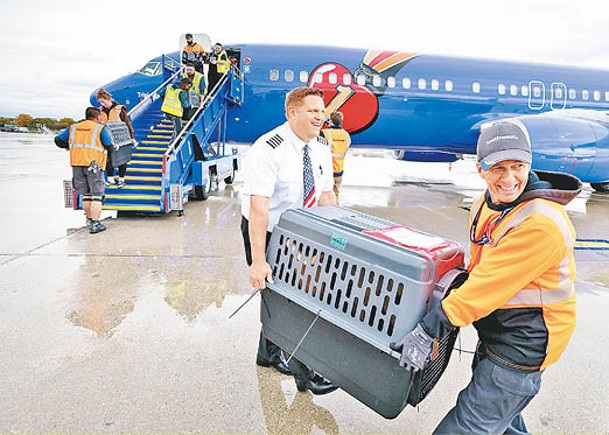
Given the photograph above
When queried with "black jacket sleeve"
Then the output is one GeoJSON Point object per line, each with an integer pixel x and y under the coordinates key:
{"type": "Point", "coordinates": [61, 143]}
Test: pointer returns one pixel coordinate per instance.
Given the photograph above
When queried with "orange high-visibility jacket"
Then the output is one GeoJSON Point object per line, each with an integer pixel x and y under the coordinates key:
{"type": "Point", "coordinates": [85, 144]}
{"type": "Point", "coordinates": [340, 141]}
{"type": "Point", "coordinates": [520, 292]}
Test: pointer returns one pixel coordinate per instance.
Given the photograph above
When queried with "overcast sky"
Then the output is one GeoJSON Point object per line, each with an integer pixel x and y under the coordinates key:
{"type": "Point", "coordinates": [55, 53]}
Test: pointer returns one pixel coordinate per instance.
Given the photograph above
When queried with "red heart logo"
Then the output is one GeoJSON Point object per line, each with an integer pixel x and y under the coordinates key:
{"type": "Point", "coordinates": [358, 103]}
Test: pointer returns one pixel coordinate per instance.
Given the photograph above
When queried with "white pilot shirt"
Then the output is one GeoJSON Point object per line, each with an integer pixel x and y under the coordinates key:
{"type": "Point", "coordinates": [272, 168]}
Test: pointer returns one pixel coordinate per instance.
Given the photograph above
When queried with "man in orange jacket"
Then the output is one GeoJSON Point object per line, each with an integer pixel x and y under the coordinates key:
{"type": "Point", "coordinates": [520, 292]}
{"type": "Point", "coordinates": [87, 142]}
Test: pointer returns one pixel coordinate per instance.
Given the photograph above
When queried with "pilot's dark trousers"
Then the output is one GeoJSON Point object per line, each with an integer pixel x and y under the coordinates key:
{"type": "Point", "coordinates": [268, 352]}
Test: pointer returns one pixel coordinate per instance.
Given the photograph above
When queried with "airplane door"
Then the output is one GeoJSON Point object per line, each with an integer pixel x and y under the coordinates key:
{"type": "Point", "coordinates": [537, 95]}
{"type": "Point", "coordinates": [559, 96]}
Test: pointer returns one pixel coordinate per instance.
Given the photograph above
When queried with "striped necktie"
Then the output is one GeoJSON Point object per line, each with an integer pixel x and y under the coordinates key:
{"type": "Point", "coordinates": [308, 180]}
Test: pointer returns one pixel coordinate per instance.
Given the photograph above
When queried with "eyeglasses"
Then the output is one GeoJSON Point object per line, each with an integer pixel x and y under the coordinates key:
{"type": "Point", "coordinates": [486, 234]}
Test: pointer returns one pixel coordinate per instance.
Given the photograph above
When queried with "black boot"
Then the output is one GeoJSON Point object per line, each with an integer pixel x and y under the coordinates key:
{"type": "Point", "coordinates": [316, 384]}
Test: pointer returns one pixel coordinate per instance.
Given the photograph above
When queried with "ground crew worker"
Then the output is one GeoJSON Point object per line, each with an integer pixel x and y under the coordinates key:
{"type": "Point", "coordinates": [194, 53]}
{"type": "Point", "coordinates": [339, 141]}
{"type": "Point", "coordinates": [286, 168]}
{"type": "Point", "coordinates": [175, 101]}
{"type": "Point", "coordinates": [87, 142]}
{"type": "Point", "coordinates": [218, 66]}
{"type": "Point", "coordinates": [111, 111]}
{"type": "Point", "coordinates": [199, 86]}
{"type": "Point", "coordinates": [520, 293]}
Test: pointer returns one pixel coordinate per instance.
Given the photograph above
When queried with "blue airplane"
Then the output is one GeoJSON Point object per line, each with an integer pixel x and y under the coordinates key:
{"type": "Point", "coordinates": [424, 107]}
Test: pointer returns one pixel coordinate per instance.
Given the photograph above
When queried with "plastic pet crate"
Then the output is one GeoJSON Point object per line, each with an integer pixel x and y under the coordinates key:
{"type": "Point", "coordinates": [347, 285]}
{"type": "Point", "coordinates": [120, 136]}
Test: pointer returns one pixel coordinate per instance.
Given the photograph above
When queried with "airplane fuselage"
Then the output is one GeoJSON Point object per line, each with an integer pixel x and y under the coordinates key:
{"type": "Point", "coordinates": [431, 106]}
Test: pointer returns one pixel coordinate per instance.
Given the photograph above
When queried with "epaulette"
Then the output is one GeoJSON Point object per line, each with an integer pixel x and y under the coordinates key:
{"type": "Point", "coordinates": [275, 141]}
{"type": "Point", "coordinates": [322, 140]}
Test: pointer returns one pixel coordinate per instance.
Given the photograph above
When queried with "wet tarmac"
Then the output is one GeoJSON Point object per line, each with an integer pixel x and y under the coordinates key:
{"type": "Point", "coordinates": [128, 330]}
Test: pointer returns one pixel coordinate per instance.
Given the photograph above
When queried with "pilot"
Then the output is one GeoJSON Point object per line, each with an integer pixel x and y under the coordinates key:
{"type": "Point", "coordinates": [287, 168]}
{"type": "Point", "coordinates": [520, 293]}
{"type": "Point", "coordinates": [339, 141]}
{"type": "Point", "coordinates": [88, 141]}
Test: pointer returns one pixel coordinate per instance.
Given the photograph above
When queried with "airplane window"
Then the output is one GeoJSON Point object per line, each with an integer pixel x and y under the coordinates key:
{"type": "Point", "coordinates": [422, 84]}
{"type": "Point", "coordinates": [288, 75]}
{"type": "Point", "coordinates": [361, 79]}
{"type": "Point", "coordinates": [274, 75]}
{"type": "Point", "coordinates": [318, 77]}
{"type": "Point", "coordinates": [585, 95]}
{"type": "Point", "coordinates": [435, 84]}
{"type": "Point", "coordinates": [346, 79]}
{"type": "Point", "coordinates": [558, 93]}
{"type": "Point", "coordinates": [476, 87]}
{"type": "Point", "coordinates": [606, 96]}
{"type": "Point", "coordinates": [391, 82]}
{"type": "Point", "coordinates": [597, 96]}
{"type": "Point", "coordinates": [333, 78]}
{"type": "Point", "coordinates": [151, 69]}
{"type": "Point", "coordinates": [376, 81]}
{"type": "Point", "coordinates": [513, 90]}
{"type": "Point", "coordinates": [572, 94]}
{"type": "Point", "coordinates": [501, 89]}
{"type": "Point", "coordinates": [304, 76]}
{"type": "Point", "coordinates": [448, 85]}
{"type": "Point", "coordinates": [406, 83]}
{"type": "Point", "coordinates": [524, 91]}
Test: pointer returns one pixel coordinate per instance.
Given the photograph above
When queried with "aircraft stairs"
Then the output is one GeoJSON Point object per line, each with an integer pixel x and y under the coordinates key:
{"type": "Point", "coordinates": [164, 172]}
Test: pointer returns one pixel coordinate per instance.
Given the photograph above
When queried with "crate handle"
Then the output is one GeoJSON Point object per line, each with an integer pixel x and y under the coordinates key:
{"type": "Point", "coordinates": [304, 336]}
{"type": "Point", "coordinates": [256, 290]}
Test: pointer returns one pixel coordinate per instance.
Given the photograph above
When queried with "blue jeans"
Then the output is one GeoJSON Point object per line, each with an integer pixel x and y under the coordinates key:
{"type": "Point", "coordinates": [492, 402]}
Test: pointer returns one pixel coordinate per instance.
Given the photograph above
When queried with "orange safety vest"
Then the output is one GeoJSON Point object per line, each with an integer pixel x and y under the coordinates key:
{"type": "Point", "coordinates": [340, 141]}
{"type": "Point", "coordinates": [198, 51]}
{"type": "Point", "coordinates": [113, 115]}
{"type": "Point", "coordinates": [498, 285]}
{"type": "Point", "coordinates": [85, 144]}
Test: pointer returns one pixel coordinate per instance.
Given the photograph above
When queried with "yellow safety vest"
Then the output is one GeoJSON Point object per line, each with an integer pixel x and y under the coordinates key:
{"type": "Point", "coordinates": [171, 103]}
{"type": "Point", "coordinates": [196, 82]}
{"type": "Point", "coordinates": [223, 68]}
{"type": "Point", "coordinates": [339, 140]}
{"type": "Point", "coordinates": [85, 144]}
{"type": "Point", "coordinates": [113, 115]}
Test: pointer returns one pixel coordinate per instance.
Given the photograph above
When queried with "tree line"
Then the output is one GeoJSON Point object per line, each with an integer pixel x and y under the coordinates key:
{"type": "Point", "coordinates": [25, 120]}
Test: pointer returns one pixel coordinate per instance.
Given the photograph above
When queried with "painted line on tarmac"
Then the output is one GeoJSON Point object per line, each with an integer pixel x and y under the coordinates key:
{"type": "Point", "coordinates": [592, 244]}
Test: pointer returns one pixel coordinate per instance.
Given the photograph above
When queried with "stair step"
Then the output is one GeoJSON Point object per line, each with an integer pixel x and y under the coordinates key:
{"type": "Point", "coordinates": [134, 197]}
{"type": "Point", "coordinates": [149, 155]}
{"type": "Point", "coordinates": [141, 178]}
{"type": "Point", "coordinates": [156, 142]}
{"type": "Point", "coordinates": [146, 170]}
{"type": "Point", "coordinates": [152, 150]}
{"type": "Point", "coordinates": [145, 162]}
{"type": "Point", "coordinates": [134, 187]}
{"type": "Point", "coordinates": [131, 207]}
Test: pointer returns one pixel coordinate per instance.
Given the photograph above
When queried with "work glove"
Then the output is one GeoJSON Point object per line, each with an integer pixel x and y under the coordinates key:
{"type": "Point", "coordinates": [415, 347]}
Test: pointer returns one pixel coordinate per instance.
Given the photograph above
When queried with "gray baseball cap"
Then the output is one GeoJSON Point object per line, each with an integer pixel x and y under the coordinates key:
{"type": "Point", "coordinates": [503, 141]}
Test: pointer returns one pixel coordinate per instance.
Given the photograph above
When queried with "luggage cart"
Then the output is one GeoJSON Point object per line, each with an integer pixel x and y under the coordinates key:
{"type": "Point", "coordinates": [347, 285]}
